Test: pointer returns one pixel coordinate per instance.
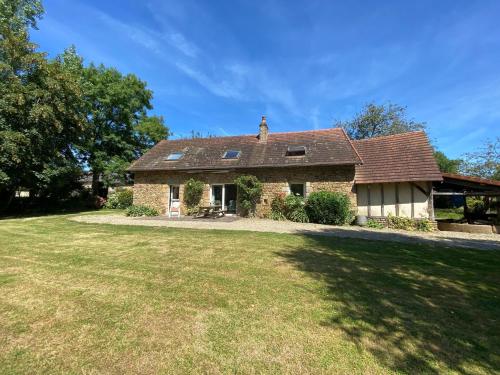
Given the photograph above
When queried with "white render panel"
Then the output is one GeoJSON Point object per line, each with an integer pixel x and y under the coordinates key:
{"type": "Point", "coordinates": [389, 199]}
{"type": "Point", "coordinates": [361, 192]}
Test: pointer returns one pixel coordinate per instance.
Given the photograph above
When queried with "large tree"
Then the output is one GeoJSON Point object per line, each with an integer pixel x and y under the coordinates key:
{"type": "Point", "coordinates": [119, 129]}
{"type": "Point", "coordinates": [447, 165]}
{"type": "Point", "coordinates": [485, 162]}
{"type": "Point", "coordinates": [376, 120]}
{"type": "Point", "coordinates": [40, 108]}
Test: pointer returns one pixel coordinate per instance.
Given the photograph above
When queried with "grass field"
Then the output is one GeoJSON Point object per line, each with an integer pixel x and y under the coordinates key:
{"type": "Point", "coordinates": [449, 213]}
{"type": "Point", "coordinates": [84, 298]}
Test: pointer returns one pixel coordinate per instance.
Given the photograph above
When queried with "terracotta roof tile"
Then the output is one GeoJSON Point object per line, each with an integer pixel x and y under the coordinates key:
{"type": "Point", "coordinates": [394, 158]}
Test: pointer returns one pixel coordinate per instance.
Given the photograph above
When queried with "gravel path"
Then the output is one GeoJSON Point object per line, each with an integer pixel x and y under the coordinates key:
{"type": "Point", "coordinates": [451, 239]}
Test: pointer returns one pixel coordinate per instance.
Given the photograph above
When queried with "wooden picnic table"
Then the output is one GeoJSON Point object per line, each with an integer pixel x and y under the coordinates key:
{"type": "Point", "coordinates": [210, 211]}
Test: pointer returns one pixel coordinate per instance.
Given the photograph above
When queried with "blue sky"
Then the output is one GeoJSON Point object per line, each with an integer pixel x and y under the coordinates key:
{"type": "Point", "coordinates": [217, 66]}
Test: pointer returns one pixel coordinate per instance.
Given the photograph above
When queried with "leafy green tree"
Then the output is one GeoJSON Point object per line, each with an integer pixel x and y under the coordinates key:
{"type": "Point", "coordinates": [484, 163]}
{"type": "Point", "coordinates": [40, 109]}
{"type": "Point", "coordinates": [118, 130]}
{"type": "Point", "coordinates": [447, 165]}
{"type": "Point", "coordinates": [151, 130]}
{"type": "Point", "coordinates": [18, 15]}
{"type": "Point", "coordinates": [377, 120]}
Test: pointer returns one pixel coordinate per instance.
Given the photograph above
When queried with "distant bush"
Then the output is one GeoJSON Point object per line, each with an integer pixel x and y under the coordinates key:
{"type": "Point", "coordinates": [325, 207]}
{"type": "Point", "coordinates": [121, 199]}
{"type": "Point", "coordinates": [476, 206]}
{"type": "Point", "coordinates": [141, 211]}
{"type": "Point", "coordinates": [295, 209]}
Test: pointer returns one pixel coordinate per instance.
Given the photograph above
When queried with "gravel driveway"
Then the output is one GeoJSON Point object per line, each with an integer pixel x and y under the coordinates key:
{"type": "Point", "coordinates": [451, 239]}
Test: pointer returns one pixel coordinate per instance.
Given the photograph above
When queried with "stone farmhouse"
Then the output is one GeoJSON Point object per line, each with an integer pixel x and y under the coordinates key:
{"type": "Point", "coordinates": [385, 175]}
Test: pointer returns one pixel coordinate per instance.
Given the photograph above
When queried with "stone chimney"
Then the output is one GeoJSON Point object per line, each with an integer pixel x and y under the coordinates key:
{"type": "Point", "coordinates": [263, 130]}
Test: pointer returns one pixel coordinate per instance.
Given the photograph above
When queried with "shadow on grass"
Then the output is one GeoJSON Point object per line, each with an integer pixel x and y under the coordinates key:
{"type": "Point", "coordinates": [417, 309]}
{"type": "Point", "coordinates": [43, 213]}
{"type": "Point", "coordinates": [442, 240]}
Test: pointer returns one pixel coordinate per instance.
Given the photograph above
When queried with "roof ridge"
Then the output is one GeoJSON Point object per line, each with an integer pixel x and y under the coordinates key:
{"type": "Point", "coordinates": [305, 131]}
{"type": "Point", "coordinates": [390, 136]}
{"type": "Point", "coordinates": [253, 135]}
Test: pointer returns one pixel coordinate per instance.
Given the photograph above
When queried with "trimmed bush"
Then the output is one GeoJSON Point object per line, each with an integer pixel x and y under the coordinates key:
{"type": "Point", "coordinates": [141, 211]}
{"type": "Point", "coordinates": [326, 207]}
{"type": "Point", "coordinates": [193, 192]}
{"type": "Point", "coordinates": [249, 192]}
{"type": "Point", "coordinates": [121, 199]}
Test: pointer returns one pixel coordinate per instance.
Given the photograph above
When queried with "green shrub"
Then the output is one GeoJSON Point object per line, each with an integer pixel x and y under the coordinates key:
{"type": "Point", "coordinates": [278, 208]}
{"type": "Point", "coordinates": [121, 199]}
{"type": "Point", "coordinates": [424, 225]}
{"type": "Point", "coordinates": [295, 209]}
{"type": "Point", "coordinates": [374, 224]}
{"type": "Point", "coordinates": [400, 222]}
{"type": "Point", "coordinates": [193, 191]}
{"type": "Point", "coordinates": [325, 207]}
{"type": "Point", "coordinates": [406, 223]}
{"type": "Point", "coordinates": [141, 211]}
{"type": "Point", "coordinates": [249, 192]}
{"type": "Point", "coordinates": [476, 206]}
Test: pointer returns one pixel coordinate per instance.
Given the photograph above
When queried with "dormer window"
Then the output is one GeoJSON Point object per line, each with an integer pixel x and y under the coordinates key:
{"type": "Point", "coordinates": [174, 156]}
{"type": "Point", "coordinates": [231, 154]}
{"type": "Point", "coordinates": [296, 151]}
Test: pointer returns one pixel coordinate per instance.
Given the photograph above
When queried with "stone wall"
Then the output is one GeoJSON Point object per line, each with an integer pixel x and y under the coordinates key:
{"type": "Point", "coordinates": [152, 188]}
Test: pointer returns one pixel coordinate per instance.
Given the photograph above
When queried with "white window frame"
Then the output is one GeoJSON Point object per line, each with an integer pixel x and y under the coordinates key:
{"type": "Point", "coordinates": [170, 200]}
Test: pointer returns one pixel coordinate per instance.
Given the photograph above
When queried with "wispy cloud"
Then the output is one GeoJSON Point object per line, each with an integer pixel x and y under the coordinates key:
{"type": "Point", "coordinates": [225, 88]}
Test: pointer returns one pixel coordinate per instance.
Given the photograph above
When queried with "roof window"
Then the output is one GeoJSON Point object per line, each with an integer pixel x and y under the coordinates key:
{"type": "Point", "coordinates": [296, 151]}
{"type": "Point", "coordinates": [231, 154]}
{"type": "Point", "coordinates": [174, 156]}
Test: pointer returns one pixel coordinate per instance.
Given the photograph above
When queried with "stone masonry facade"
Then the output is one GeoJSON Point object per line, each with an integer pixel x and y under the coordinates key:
{"type": "Point", "coordinates": [152, 188]}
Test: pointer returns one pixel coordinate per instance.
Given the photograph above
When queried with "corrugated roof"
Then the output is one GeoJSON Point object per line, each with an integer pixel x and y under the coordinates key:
{"type": "Point", "coordinates": [323, 147]}
{"type": "Point", "coordinates": [396, 158]}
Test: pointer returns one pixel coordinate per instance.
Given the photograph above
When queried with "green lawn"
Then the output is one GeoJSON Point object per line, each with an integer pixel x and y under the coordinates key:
{"type": "Point", "coordinates": [82, 298]}
{"type": "Point", "coordinates": [449, 213]}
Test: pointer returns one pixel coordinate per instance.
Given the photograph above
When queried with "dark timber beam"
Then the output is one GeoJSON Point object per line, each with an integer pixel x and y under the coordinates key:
{"type": "Point", "coordinates": [382, 199]}
{"type": "Point", "coordinates": [396, 190]}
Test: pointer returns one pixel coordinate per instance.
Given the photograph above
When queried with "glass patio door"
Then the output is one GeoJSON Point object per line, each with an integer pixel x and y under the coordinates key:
{"type": "Point", "coordinates": [230, 198]}
{"type": "Point", "coordinates": [217, 195]}
{"type": "Point", "coordinates": [224, 195]}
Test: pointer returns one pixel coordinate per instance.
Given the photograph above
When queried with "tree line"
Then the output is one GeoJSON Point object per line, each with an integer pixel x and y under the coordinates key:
{"type": "Point", "coordinates": [59, 117]}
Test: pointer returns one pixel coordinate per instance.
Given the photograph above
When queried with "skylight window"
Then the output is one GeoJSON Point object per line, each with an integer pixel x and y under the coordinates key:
{"type": "Point", "coordinates": [174, 156]}
{"type": "Point", "coordinates": [231, 154]}
{"type": "Point", "coordinates": [296, 151]}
